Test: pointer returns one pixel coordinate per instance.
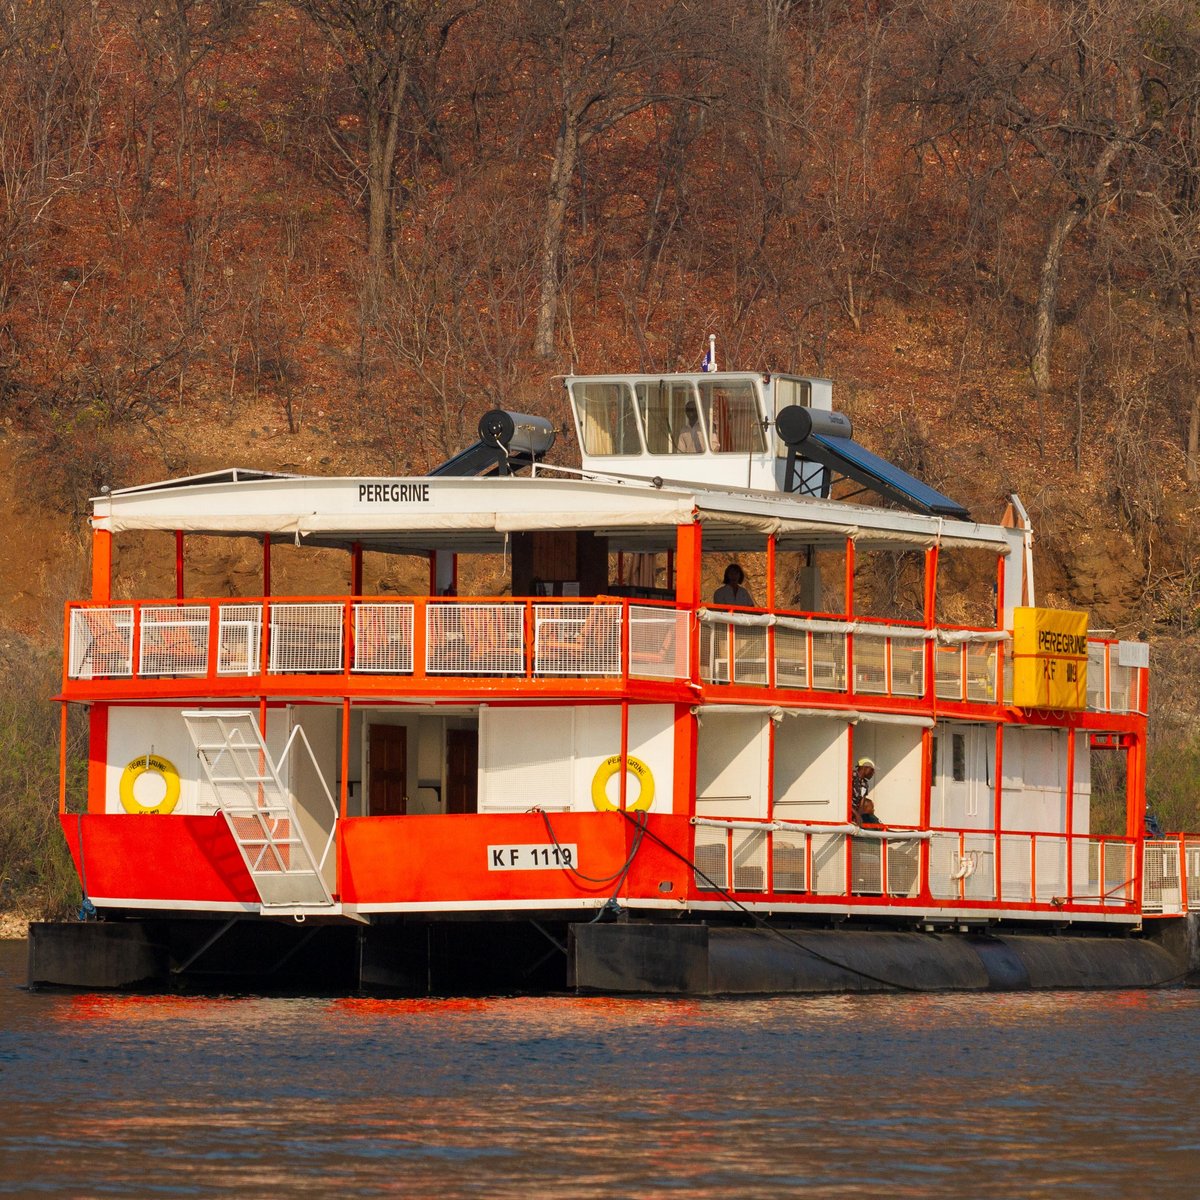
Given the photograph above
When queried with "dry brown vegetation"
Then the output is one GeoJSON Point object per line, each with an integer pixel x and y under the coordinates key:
{"type": "Point", "coordinates": [327, 234]}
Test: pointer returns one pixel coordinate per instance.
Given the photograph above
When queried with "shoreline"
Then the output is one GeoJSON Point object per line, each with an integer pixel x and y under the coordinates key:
{"type": "Point", "coordinates": [14, 928]}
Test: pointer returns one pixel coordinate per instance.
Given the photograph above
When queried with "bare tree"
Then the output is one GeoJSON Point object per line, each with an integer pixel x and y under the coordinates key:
{"type": "Point", "coordinates": [598, 62]}
{"type": "Point", "coordinates": [1065, 88]}
{"type": "Point", "coordinates": [387, 47]}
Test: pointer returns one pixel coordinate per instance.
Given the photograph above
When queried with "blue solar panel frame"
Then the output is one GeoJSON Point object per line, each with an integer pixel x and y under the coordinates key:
{"type": "Point", "coordinates": [858, 463]}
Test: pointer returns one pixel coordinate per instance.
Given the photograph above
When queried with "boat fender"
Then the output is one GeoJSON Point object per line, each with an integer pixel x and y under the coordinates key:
{"type": "Point", "coordinates": [158, 766]}
{"type": "Point", "coordinates": [607, 769]}
{"type": "Point", "coordinates": [967, 865]}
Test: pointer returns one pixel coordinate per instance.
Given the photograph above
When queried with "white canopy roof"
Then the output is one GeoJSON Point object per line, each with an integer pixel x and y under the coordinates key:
{"type": "Point", "coordinates": [469, 514]}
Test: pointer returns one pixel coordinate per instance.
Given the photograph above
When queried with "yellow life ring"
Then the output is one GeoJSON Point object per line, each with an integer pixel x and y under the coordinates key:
{"type": "Point", "coordinates": [155, 765]}
{"type": "Point", "coordinates": [610, 767]}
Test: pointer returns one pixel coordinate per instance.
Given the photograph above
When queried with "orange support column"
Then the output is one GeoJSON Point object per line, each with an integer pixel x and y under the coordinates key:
{"type": "Point", "coordinates": [687, 565]}
{"type": "Point", "coordinates": [849, 606]}
{"type": "Point", "coordinates": [101, 565]}
{"type": "Point", "coordinates": [998, 806]}
{"type": "Point", "coordinates": [688, 544]}
{"type": "Point", "coordinates": [97, 758]}
{"type": "Point", "coordinates": [926, 814]}
{"type": "Point", "coordinates": [931, 566]}
{"type": "Point", "coordinates": [344, 790]}
{"type": "Point", "coordinates": [62, 758]}
{"type": "Point", "coordinates": [771, 628]}
{"type": "Point", "coordinates": [1070, 811]}
{"type": "Point", "coordinates": [1135, 794]}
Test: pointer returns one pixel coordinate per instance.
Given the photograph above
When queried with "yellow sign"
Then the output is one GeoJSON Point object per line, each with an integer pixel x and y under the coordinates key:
{"type": "Point", "coordinates": [1050, 651]}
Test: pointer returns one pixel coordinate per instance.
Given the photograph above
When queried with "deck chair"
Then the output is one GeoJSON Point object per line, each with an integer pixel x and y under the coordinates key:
{"type": "Point", "coordinates": [594, 650]}
{"type": "Point", "coordinates": [658, 651]}
{"type": "Point", "coordinates": [110, 649]}
{"type": "Point", "coordinates": [381, 645]}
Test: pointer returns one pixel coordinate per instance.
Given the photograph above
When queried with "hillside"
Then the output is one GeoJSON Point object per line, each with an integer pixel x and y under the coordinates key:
{"type": "Point", "coordinates": [326, 235]}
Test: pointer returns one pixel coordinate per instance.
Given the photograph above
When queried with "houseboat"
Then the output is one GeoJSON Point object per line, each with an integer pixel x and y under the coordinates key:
{"type": "Point", "coordinates": [614, 773]}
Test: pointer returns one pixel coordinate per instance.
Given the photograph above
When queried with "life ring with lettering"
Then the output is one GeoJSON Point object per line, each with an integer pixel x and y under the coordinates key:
{"type": "Point", "coordinates": [154, 765]}
{"type": "Point", "coordinates": [610, 767]}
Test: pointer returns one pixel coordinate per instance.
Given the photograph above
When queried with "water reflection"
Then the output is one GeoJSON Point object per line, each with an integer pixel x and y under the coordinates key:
{"type": "Point", "coordinates": [1029, 1095]}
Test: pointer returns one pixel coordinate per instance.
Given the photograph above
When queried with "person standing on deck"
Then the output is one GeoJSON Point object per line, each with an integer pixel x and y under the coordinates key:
{"type": "Point", "coordinates": [864, 772]}
{"type": "Point", "coordinates": [731, 590]}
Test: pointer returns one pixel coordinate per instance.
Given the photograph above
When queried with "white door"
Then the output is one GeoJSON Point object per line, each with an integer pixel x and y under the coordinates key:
{"type": "Point", "coordinates": [962, 776]}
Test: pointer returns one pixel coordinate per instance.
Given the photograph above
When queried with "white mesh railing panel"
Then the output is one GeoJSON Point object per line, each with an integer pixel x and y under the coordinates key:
{"type": "Point", "coordinates": [174, 640]}
{"type": "Point", "coordinates": [101, 642]}
{"type": "Point", "coordinates": [870, 664]}
{"type": "Point", "coordinates": [714, 653]}
{"type": "Point", "coordinates": [1050, 881]}
{"type": "Point", "coordinates": [383, 638]}
{"type": "Point", "coordinates": [1119, 870]}
{"type": "Point", "coordinates": [1095, 676]}
{"type": "Point", "coordinates": [1160, 877]}
{"type": "Point", "coordinates": [947, 671]}
{"type": "Point", "coordinates": [305, 638]}
{"type": "Point", "coordinates": [791, 657]}
{"type": "Point", "coordinates": [658, 643]}
{"type": "Point", "coordinates": [1121, 681]}
{"type": "Point", "coordinates": [829, 864]}
{"type": "Point", "coordinates": [1016, 867]}
{"type": "Point", "coordinates": [903, 867]}
{"type": "Point", "coordinates": [829, 661]}
{"type": "Point", "coordinates": [866, 866]}
{"type": "Point", "coordinates": [981, 671]}
{"type": "Point", "coordinates": [733, 653]}
{"type": "Point", "coordinates": [789, 872]}
{"type": "Point", "coordinates": [475, 639]}
{"type": "Point", "coordinates": [908, 667]}
{"type": "Point", "coordinates": [712, 865]}
{"type": "Point", "coordinates": [1110, 874]}
{"type": "Point", "coordinates": [943, 862]}
{"type": "Point", "coordinates": [749, 654]}
{"type": "Point", "coordinates": [577, 639]}
{"type": "Point", "coordinates": [749, 860]}
{"type": "Point", "coordinates": [1094, 887]}
{"type": "Point", "coordinates": [978, 865]}
{"type": "Point", "coordinates": [239, 639]}
{"type": "Point", "coordinates": [1192, 863]}
{"type": "Point", "coordinates": [963, 866]}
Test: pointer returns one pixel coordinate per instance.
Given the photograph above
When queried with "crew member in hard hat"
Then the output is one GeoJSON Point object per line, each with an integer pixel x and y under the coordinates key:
{"type": "Point", "coordinates": [864, 772]}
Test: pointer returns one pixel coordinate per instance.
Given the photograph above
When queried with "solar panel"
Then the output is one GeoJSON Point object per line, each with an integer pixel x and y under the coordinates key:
{"type": "Point", "coordinates": [858, 463]}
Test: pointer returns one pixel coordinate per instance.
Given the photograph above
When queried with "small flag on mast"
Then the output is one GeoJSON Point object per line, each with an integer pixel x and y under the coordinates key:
{"type": "Point", "coordinates": [710, 357]}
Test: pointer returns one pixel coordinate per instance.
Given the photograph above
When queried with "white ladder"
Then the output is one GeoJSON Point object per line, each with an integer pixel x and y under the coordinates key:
{"type": "Point", "coordinates": [258, 807]}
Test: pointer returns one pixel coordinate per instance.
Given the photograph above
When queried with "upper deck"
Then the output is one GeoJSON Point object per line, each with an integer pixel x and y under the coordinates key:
{"type": "Point", "coordinates": [593, 634]}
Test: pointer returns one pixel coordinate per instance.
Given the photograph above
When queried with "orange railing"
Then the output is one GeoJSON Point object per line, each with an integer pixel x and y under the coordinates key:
{"type": "Point", "coordinates": [420, 636]}
{"type": "Point", "coordinates": [940, 867]}
{"type": "Point", "coordinates": [601, 638]}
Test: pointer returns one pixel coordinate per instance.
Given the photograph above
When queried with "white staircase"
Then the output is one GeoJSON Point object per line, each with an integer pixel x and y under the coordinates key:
{"type": "Point", "coordinates": [258, 807]}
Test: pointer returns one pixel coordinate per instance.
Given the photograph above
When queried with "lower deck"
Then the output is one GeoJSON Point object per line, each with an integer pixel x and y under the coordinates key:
{"type": "Point", "coordinates": [575, 864]}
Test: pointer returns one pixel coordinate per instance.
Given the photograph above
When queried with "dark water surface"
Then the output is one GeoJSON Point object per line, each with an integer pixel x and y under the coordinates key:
{"type": "Point", "coordinates": [1062, 1094]}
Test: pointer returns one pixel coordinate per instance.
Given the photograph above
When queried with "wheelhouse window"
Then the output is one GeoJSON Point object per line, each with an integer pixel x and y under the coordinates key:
{"type": "Point", "coordinates": [730, 409]}
{"type": "Point", "coordinates": [607, 424]}
{"type": "Point", "coordinates": [671, 417]}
